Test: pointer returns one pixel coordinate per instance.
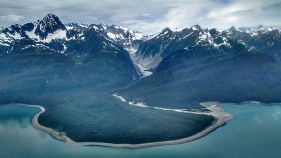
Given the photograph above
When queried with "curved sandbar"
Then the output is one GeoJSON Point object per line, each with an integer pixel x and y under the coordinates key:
{"type": "Point", "coordinates": [221, 116]}
{"type": "Point", "coordinates": [36, 125]}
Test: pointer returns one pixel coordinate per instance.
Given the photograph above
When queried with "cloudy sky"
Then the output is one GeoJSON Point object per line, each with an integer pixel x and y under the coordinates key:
{"type": "Point", "coordinates": [147, 16]}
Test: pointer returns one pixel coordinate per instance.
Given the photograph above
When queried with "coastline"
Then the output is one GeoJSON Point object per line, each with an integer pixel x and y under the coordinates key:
{"type": "Point", "coordinates": [217, 112]}
{"type": "Point", "coordinates": [36, 124]}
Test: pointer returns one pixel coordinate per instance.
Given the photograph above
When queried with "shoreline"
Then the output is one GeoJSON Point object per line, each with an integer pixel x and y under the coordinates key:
{"type": "Point", "coordinates": [217, 112]}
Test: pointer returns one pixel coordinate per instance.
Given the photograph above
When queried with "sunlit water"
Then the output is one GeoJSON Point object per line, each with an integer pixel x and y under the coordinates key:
{"type": "Point", "coordinates": [255, 131]}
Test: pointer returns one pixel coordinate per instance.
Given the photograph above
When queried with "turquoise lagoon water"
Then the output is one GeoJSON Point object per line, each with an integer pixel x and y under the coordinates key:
{"type": "Point", "coordinates": [255, 131]}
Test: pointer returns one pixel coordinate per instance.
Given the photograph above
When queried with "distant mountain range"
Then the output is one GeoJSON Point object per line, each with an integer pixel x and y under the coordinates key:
{"type": "Point", "coordinates": [146, 51]}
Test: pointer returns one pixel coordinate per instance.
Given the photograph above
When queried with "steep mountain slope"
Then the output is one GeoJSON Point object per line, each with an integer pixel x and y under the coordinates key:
{"type": "Point", "coordinates": [202, 65]}
{"type": "Point", "coordinates": [69, 39]}
{"type": "Point", "coordinates": [184, 79]}
{"type": "Point", "coordinates": [152, 51]}
{"type": "Point", "coordinates": [79, 42]}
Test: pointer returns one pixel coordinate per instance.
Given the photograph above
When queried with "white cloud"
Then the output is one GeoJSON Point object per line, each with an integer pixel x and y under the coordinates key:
{"type": "Point", "coordinates": [149, 16]}
{"type": "Point", "coordinates": [11, 18]}
{"type": "Point", "coordinates": [246, 13]}
{"type": "Point", "coordinates": [182, 14]}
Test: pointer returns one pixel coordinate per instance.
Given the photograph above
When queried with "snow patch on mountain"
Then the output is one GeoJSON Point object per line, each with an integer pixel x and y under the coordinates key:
{"type": "Point", "coordinates": [64, 48]}
{"type": "Point", "coordinates": [111, 35]}
{"type": "Point", "coordinates": [69, 27]}
{"type": "Point", "coordinates": [194, 28]}
{"type": "Point", "coordinates": [149, 37]}
{"type": "Point", "coordinates": [59, 34]}
{"type": "Point", "coordinates": [5, 44]}
{"type": "Point", "coordinates": [5, 38]}
{"type": "Point", "coordinates": [147, 64]}
{"type": "Point", "coordinates": [31, 34]}
{"type": "Point", "coordinates": [206, 39]}
{"type": "Point", "coordinates": [244, 29]}
{"type": "Point", "coordinates": [225, 42]}
{"type": "Point", "coordinates": [137, 35]}
{"type": "Point", "coordinates": [37, 46]}
{"type": "Point", "coordinates": [84, 25]}
{"type": "Point", "coordinates": [16, 36]}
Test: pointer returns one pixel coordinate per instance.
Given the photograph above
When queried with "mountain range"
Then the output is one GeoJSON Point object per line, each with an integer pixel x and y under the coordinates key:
{"type": "Point", "coordinates": [141, 55]}
{"type": "Point", "coordinates": [145, 51]}
{"type": "Point", "coordinates": [77, 67]}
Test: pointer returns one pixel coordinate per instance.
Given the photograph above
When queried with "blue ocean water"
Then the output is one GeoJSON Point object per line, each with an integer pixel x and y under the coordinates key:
{"type": "Point", "coordinates": [255, 131]}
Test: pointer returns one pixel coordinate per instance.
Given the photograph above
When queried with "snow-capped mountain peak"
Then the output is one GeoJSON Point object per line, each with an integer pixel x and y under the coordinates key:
{"type": "Point", "coordinates": [196, 27]}
{"type": "Point", "coordinates": [240, 29]}
{"type": "Point", "coordinates": [232, 29]}
{"type": "Point", "coordinates": [49, 24]}
{"type": "Point", "coordinates": [260, 29]}
{"type": "Point", "coordinates": [244, 29]}
{"type": "Point", "coordinates": [145, 51]}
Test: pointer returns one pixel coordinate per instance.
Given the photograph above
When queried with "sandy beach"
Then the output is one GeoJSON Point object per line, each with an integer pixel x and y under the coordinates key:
{"type": "Point", "coordinates": [217, 112]}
